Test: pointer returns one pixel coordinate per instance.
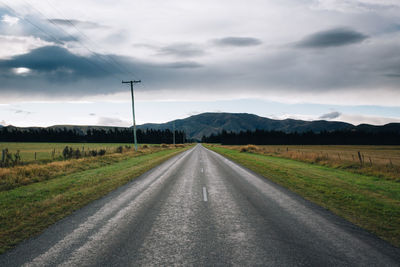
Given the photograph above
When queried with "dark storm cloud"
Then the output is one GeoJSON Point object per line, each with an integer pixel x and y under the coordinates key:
{"type": "Point", "coordinates": [55, 71]}
{"type": "Point", "coordinates": [53, 60]}
{"type": "Point", "coordinates": [237, 41]}
{"type": "Point", "coordinates": [330, 115]}
{"type": "Point", "coordinates": [332, 37]}
{"type": "Point", "coordinates": [181, 50]}
{"type": "Point", "coordinates": [77, 23]}
{"type": "Point", "coordinates": [393, 75]}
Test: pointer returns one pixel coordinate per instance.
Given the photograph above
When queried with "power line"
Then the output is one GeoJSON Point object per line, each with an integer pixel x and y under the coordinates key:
{"type": "Point", "coordinates": [88, 39]}
{"type": "Point", "coordinates": [51, 36]}
{"type": "Point", "coordinates": [71, 36]}
{"type": "Point", "coordinates": [110, 60]}
{"type": "Point", "coordinates": [109, 57]}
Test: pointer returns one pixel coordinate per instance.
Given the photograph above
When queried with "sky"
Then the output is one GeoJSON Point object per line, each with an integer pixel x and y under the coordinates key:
{"type": "Point", "coordinates": [62, 62]}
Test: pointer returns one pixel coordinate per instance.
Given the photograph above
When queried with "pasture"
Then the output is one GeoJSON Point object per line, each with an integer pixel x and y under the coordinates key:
{"type": "Point", "coordinates": [44, 151]}
{"type": "Point", "coordinates": [379, 161]}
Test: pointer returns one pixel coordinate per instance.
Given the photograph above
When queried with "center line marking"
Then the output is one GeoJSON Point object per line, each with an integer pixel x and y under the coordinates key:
{"type": "Point", "coordinates": [201, 170]}
{"type": "Point", "coordinates": [205, 194]}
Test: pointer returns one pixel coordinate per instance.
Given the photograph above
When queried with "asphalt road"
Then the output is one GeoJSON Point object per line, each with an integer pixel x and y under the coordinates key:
{"type": "Point", "coordinates": [197, 209]}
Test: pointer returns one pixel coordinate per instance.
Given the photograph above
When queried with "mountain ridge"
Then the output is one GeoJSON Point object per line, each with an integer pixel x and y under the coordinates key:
{"type": "Point", "coordinates": [208, 123]}
{"type": "Point", "coordinates": [205, 124]}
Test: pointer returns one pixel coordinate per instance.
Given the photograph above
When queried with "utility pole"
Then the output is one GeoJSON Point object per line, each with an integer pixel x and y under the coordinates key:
{"type": "Point", "coordinates": [133, 110]}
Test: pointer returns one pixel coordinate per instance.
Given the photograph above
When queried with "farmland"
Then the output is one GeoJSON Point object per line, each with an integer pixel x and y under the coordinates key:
{"type": "Point", "coordinates": [379, 161]}
{"type": "Point", "coordinates": [44, 151]}
{"type": "Point", "coordinates": [368, 196]}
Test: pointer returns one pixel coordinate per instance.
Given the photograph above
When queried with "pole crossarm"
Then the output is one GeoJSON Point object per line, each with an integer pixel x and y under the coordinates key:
{"type": "Point", "coordinates": [133, 110]}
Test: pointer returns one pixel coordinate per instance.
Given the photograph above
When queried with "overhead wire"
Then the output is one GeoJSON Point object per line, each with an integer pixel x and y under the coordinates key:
{"type": "Point", "coordinates": [72, 37]}
{"type": "Point", "coordinates": [110, 60]}
{"type": "Point", "coordinates": [51, 36]}
{"type": "Point", "coordinates": [109, 57]}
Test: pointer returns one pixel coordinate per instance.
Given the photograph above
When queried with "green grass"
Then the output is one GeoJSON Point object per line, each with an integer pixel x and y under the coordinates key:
{"type": "Point", "coordinates": [27, 210]}
{"type": "Point", "coordinates": [44, 150]}
{"type": "Point", "coordinates": [367, 201]}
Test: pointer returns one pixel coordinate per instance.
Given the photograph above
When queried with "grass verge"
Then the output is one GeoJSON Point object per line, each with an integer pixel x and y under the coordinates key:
{"type": "Point", "coordinates": [369, 202]}
{"type": "Point", "coordinates": [13, 177]}
{"type": "Point", "coordinates": [378, 161]}
{"type": "Point", "coordinates": [27, 210]}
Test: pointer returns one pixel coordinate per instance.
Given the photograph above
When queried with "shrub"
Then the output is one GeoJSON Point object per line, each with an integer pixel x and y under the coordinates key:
{"type": "Point", "coordinates": [248, 148]}
{"type": "Point", "coordinates": [67, 152]}
{"type": "Point", "coordinates": [17, 158]}
{"type": "Point", "coordinates": [164, 146]}
{"type": "Point", "coordinates": [77, 153]}
{"type": "Point", "coordinates": [102, 152]}
{"type": "Point", "coordinates": [7, 160]}
{"type": "Point", "coordinates": [119, 149]}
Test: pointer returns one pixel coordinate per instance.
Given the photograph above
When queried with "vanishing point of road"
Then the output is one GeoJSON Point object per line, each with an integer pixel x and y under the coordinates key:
{"type": "Point", "coordinates": [199, 209]}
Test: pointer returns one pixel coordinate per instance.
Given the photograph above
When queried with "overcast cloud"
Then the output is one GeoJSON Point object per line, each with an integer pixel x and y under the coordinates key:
{"type": "Point", "coordinates": [291, 51]}
{"type": "Point", "coordinates": [332, 37]}
{"type": "Point", "coordinates": [237, 41]}
{"type": "Point", "coordinates": [330, 116]}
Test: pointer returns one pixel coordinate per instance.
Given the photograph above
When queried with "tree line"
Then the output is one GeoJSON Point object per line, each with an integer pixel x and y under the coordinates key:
{"type": "Point", "coordinates": [113, 135]}
{"type": "Point", "coordinates": [262, 137]}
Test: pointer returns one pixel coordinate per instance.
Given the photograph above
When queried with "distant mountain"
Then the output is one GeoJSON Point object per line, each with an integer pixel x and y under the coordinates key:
{"type": "Point", "coordinates": [208, 123]}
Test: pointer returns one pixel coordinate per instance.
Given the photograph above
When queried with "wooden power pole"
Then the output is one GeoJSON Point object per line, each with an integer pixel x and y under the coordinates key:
{"type": "Point", "coordinates": [133, 111]}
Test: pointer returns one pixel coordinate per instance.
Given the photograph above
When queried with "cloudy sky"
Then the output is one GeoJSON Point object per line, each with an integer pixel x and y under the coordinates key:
{"type": "Point", "coordinates": [62, 62]}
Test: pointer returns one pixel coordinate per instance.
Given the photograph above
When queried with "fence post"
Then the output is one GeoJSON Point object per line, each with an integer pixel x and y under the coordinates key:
{"type": "Point", "coordinates": [35, 155]}
{"type": "Point", "coordinates": [359, 157]}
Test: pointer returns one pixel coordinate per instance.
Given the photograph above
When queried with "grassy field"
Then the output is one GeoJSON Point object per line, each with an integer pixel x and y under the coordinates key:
{"type": "Point", "coordinates": [379, 161]}
{"type": "Point", "coordinates": [368, 201]}
{"type": "Point", "coordinates": [59, 188]}
{"type": "Point", "coordinates": [44, 150]}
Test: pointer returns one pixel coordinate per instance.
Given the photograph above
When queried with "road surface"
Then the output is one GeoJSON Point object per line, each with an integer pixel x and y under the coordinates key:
{"type": "Point", "coordinates": [197, 209]}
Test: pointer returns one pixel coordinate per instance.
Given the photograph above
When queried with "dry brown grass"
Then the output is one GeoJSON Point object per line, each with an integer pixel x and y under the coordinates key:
{"type": "Point", "coordinates": [379, 161]}
{"type": "Point", "coordinates": [13, 177]}
{"type": "Point", "coordinates": [180, 145]}
{"type": "Point", "coordinates": [248, 148]}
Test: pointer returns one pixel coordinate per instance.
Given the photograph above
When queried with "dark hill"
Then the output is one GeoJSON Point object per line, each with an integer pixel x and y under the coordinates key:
{"type": "Point", "coordinates": [207, 123]}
